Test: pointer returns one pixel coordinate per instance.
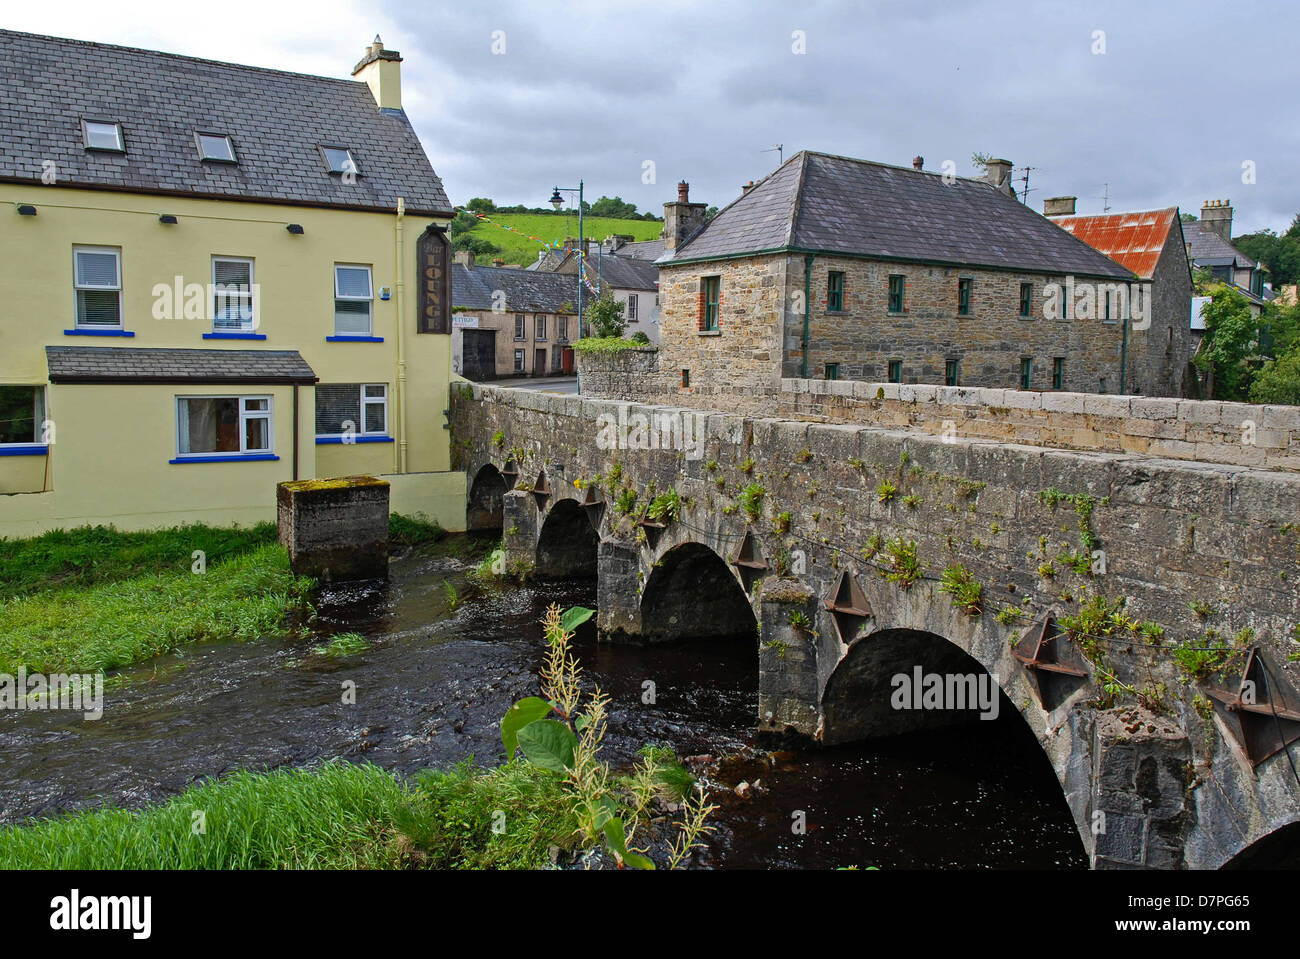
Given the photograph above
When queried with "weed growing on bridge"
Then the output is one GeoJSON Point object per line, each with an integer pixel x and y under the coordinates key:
{"type": "Point", "coordinates": [747, 467]}
{"type": "Point", "coordinates": [499, 439]}
{"type": "Point", "coordinates": [1201, 608]}
{"type": "Point", "coordinates": [1196, 659]}
{"type": "Point", "coordinates": [904, 567]}
{"type": "Point", "coordinates": [751, 500]}
{"type": "Point", "coordinates": [886, 491]}
{"type": "Point", "coordinates": [625, 502]}
{"type": "Point", "coordinates": [799, 620]}
{"type": "Point", "coordinates": [912, 501]}
{"type": "Point", "coordinates": [966, 591]}
{"type": "Point", "coordinates": [664, 507]}
{"type": "Point", "coordinates": [781, 523]}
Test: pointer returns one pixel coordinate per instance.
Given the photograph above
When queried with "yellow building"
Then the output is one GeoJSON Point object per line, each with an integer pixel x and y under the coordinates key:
{"type": "Point", "coordinates": [215, 277]}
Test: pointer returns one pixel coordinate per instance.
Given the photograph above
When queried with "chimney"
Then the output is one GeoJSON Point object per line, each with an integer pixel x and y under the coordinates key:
{"type": "Point", "coordinates": [616, 241]}
{"type": "Point", "coordinates": [1059, 206]}
{"type": "Point", "coordinates": [382, 71]}
{"type": "Point", "coordinates": [681, 219]}
{"type": "Point", "coordinates": [918, 163]}
{"type": "Point", "coordinates": [744, 190]}
{"type": "Point", "coordinates": [465, 258]}
{"type": "Point", "coordinates": [1217, 215]}
{"type": "Point", "coordinates": [998, 172]}
{"type": "Point", "coordinates": [498, 262]}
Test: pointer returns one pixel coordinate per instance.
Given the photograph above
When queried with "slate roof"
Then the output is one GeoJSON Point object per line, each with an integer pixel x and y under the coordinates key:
{"type": "Point", "coordinates": [526, 290]}
{"type": "Point", "coordinates": [1207, 248]}
{"type": "Point", "coordinates": [616, 271]}
{"type": "Point", "coordinates": [1135, 240]}
{"type": "Point", "coordinates": [110, 364]}
{"type": "Point", "coordinates": [277, 120]}
{"type": "Point", "coordinates": [642, 249]}
{"type": "Point", "coordinates": [832, 204]}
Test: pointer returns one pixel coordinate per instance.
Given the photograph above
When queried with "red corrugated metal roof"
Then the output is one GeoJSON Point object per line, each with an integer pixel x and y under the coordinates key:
{"type": "Point", "coordinates": [1133, 239]}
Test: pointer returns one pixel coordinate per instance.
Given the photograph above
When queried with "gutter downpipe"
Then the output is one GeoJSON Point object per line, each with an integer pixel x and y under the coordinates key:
{"type": "Point", "coordinates": [400, 285]}
{"type": "Point", "coordinates": [295, 432]}
{"type": "Point", "coordinates": [807, 309]}
{"type": "Point", "coordinates": [1123, 358]}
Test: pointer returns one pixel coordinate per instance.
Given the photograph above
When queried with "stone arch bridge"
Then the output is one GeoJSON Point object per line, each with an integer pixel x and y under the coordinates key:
{"type": "Point", "coordinates": [1139, 614]}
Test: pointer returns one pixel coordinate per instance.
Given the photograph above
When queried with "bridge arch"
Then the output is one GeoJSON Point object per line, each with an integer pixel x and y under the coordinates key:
{"type": "Point", "coordinates": [692, 592]}
{"type": "Point", "coordinates": [567, 545]}
{"type": "Point", "coordinates": [483, 506]}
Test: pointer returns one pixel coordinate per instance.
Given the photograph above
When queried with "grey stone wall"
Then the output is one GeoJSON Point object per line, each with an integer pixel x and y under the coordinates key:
{"type": "Point", "coordinates": [335, 529]}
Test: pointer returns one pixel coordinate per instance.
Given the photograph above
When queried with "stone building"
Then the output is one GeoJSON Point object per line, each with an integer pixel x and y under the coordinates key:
{"type": "Point", "coordinates": [908, 276]}
{"type": "Point", "coordinates": [1209, 247]}
{"type": "Point", "coordinates": [1151, 244]}
{"type": "Point", "coordinates": [632, 281]}
{"type": "Point", "coordinates": [508, 321]}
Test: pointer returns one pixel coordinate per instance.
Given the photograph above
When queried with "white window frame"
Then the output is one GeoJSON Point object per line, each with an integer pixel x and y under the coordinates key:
{"type": "Point", "coordinates": [521, 326]}
{"type": "Point", "coordinates": [86, 124]}
{"type": "Point", "coordinates": [521, 357]}
{"type": "Point", "coordinates": [40, 415]}
{"type": "Point", "coordinates": [243, 327]}
{"type": "Point", "coordinates": [349, 164]}
{"type": "Point", "coordinates": [539, 327]}
{"type": "Point", "coordinates": [230, 145]}
{"type": "Point", "coordinates": [116, 253]}
{"type": "Point", "coordinates": [631, 308]}
{"type": "Point", "coordinates": [368, 300]}
{"type": "Point", "coordinates": [364, 402]}
{"type": "Point", "coordinates": [245, 414]}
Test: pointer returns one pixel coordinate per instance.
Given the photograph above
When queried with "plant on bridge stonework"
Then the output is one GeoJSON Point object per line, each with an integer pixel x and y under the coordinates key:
{"type": "Point", "coordinates": [886, 491]}
{"type": "Point", "coordinates": [781, 523]}
{"type": "Point", "coordinates": [966, 591]}
{"type": "Point", "coordinates": [904, 567]}
{"type": "Point", "coordinates": [751, 500]}
{"type": "Point", "coordinates": [569, 747]}
{"type": "Point", "coordinates": [625, 502]}
{"type": "Point", "coordinates": [499, 439]}
{"type": "Point", "coordinates": [664, 507]}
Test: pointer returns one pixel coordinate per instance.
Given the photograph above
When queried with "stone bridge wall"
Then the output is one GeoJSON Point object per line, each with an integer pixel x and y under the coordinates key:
{"type": "Point", "coordinates": [1151, 760]}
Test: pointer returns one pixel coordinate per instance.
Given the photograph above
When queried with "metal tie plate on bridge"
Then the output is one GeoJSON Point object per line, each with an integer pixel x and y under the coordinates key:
{"type": "Point", "coordinates": [1053, 668]}
{"type": "Point", "coordinates": [541, 490]}
{"type": "Point", "coordinates": [594, 507]}
{"type": "Point", "coordinates": [748, 558]}
{"type": "Point", "coordinates": [848, 606]}
{"type": "Point", "coordinates": [1263, 717]}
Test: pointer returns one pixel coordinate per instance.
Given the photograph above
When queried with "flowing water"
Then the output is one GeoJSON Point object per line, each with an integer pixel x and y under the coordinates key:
{"type": "Point", "coordinates": [435, 681]}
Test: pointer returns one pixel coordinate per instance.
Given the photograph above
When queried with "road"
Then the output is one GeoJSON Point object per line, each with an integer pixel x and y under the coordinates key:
{"type": "Point", "coordinates": [566, 385]}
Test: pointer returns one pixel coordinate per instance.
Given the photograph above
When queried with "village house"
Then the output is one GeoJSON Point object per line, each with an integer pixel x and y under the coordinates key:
{"type": "Point", "coordinates": [1209, 247]}
{"type": "Point", "coordinates": [848, 269]}
{"type": "Point", "coordinates": [217, 278]}
{"type": "Point", "coordinates": [1150, 243]}
{"type": "Point", "coordinates": [509, 321]}
{"type": "Point", "coordinates": [630, 280]}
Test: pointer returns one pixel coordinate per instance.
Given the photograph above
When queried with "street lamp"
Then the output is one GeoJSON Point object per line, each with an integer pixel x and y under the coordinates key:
{"type": "Point", "coordinates": [557, 201]}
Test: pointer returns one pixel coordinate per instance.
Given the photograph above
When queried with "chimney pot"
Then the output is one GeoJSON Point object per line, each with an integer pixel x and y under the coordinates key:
{"type": "Point", "coordinates": [918, 162]}
{"type": "Point", "coordinates": [1217, 216]}
{"type": "Point", "coordinates": [683, 192]}
{"type": "Point", "coordinates": [381, 70]}
{"type": "Point", "coordinates": [465, 258]}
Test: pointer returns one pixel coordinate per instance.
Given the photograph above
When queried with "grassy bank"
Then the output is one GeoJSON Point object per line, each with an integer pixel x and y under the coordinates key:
{"type": "Point", "coordinates": [340, 816]}
{"type": "Point", "coordinates": [554, 228]}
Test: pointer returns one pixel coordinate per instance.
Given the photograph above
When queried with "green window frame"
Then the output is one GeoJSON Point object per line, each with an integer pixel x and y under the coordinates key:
{"type": "Point", "coordinates": [1026, 298]}
{"type": "Point", "coordinates": [1026, 372]}
{"type": "Point", "coordinates": [950, 368]}
{"type": "Point", "coordinates": [963, 295]}
{"type": "Point", "coordinates": [895, 371]}
{"type": "Point", "coordinates": [1058, 373]}
{"type": "Point", "coordinates": [832, 371]}
{"type": "Point", "coordinates": [835, 290]}
{"type": "Point", "coordinates": [897, 292]}
{"type": "Point", "coordinates": [712, 297]}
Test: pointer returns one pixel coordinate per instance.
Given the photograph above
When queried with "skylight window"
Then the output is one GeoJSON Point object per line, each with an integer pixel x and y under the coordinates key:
{"type": "Point", "coordinates": [339, 159]}
{"type": "Point", "coordinates": [215, 146]}
{"type": "Point", "coordinates": [103, 135]}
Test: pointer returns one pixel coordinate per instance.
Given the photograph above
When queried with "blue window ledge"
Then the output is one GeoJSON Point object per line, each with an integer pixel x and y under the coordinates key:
{"type": "Point", "coordinates": [24, 449]}
{"type": "Point", "coordinates": [234, 336]}
{"type": "Point", "coordinates": [226, 458]}
{"type": "Point", "coordinates": [331, 440]}
{"type": "Point", "coordinates": [354, 339]}
{"type": "Point", "coordinates": [98, 333]}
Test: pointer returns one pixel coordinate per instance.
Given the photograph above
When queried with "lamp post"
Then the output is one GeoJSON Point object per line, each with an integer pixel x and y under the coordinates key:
{"type": "Point", "coordinates": [557, 201]}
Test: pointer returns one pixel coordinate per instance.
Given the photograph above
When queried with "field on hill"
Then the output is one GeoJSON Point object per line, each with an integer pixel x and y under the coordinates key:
{"type": "Point", "coordinates": [517, 248]}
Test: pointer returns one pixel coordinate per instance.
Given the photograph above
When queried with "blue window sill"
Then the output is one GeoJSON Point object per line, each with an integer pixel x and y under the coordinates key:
{"type": "Point", "coordinates": [98, 333]}
{"type": "Point", "coordinates": [226, 458]}
{"type": "Point", "coordinates": [24, 449]}
{"type": "Point", "coordinates": [354, 339]}
{"type": "Point", "coordinates": [234, 336]}
{"type": "Point", "coordinates": [332, 440]}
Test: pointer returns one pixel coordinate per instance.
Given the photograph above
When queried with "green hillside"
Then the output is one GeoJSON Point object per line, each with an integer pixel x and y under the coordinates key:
{"type": "Point", "coordinates": [553, 228]}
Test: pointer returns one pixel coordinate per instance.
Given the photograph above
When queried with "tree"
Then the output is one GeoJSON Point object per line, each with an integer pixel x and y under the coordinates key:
{"type": "Point", "coordinates": [1188, 218]}
{"type": "Point", "coordinates": [462, 222]}
{"type": "Point", "coordinates": [481, 204]}
{"type": "Point", "coordinates": [475, 244]}
{"type": "Point", "coordinates": [615, 207]}
{"type": "Point", "coordinates": [605, 317]}
{"type": "Point", "coordinates": [1231, 338]}
{"type": "Point", "coordinates": [1278, 381]}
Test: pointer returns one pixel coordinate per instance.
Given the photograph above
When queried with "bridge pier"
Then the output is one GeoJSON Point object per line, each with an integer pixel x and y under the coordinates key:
{"type": "Point", "coordinates": [519, 530]}
{"type": "Point", "coordinates": [789, 670]}
{"type": "Point", "coordinates": [618, 589]}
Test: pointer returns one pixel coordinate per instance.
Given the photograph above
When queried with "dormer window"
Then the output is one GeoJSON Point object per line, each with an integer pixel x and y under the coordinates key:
{"type": "Point", "coordinates": [216, 147]}
{"type": "Point", "coordinates": [339, 159]}
{"type": "Point", "coordinates": [104, 135]}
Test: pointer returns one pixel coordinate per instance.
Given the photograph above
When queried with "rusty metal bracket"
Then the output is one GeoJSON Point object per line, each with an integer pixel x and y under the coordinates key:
{"type": "Point", "coordinates": [1052, 665]}
{"type": "Point", "coordinates": [1263, 717]}
{"type": "Point", "coordinates": [848, 606]}
{"type": "Point", "coordinates": [594, 507]}
{"type": "Point", "coordinates": [510, 473]}
{"type": "Point", "coordinates": [748, 560]}
{"type": "Point", "coordinates": [541, 490]}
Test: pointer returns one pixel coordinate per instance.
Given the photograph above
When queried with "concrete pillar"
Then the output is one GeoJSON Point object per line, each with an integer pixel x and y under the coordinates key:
{"type": "Point", "coordinates": [519, 529]}
{"type": "Point", "coordinates": [335, 529]}
{"type": "Point", "coordinates": [789, 687]}
{"type": "Point", "coordinates": [618, 590]}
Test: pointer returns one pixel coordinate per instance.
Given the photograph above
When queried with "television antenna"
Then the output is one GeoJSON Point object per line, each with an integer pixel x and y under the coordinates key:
{"type": "Point", "coordinates": [779, 150]}
{"type": "Point", "coordinates": [1105, 198]}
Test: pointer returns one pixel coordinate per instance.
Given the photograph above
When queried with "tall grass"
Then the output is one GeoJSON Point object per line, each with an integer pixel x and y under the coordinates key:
{"type": "Point", "coordinates": [89, 555]}
{"type": "Point", "coordinates": [336, 817]}
{"type": "Point", "coordinates": [116, 624]}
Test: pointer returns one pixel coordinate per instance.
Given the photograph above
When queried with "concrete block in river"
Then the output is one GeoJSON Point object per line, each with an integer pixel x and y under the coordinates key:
{"type": "Point", "coordinates": [335, 529]}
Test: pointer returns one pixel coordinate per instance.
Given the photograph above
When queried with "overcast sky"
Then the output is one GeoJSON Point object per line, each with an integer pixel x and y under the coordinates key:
{"type": "Point", "coordinates": [1167, 115]}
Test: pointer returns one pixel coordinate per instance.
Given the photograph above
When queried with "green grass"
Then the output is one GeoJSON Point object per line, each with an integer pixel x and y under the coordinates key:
{"type": "Point", "coordinates": [554, 229]}
{"type": "Point", "coordinates": [90, 555]}
{"type": "Point", "coordinates": [343, 644]}
{"type": "Point", "coordinates": [413, 530]}
{"type": "Point", "coordinates": [337, 817]}
{"type": "Point", "coordinates": [118, 623]}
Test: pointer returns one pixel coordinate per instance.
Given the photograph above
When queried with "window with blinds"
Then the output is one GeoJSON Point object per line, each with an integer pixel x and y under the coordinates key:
{"type": "Point", "coordinates": [351, 409]}
{"type": "Point", "coordinates": [232, 294]}
{"type": "Point", "coordinates": [352, 300]}
{"type": "Point", "coordinates": [97, 276]}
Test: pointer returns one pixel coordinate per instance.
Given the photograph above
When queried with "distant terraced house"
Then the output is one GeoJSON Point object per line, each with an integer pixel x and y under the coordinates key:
{"type": "Point", "coordinates": [216, 277]}
{"type": "Point", "coordinates": [848, 269]}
